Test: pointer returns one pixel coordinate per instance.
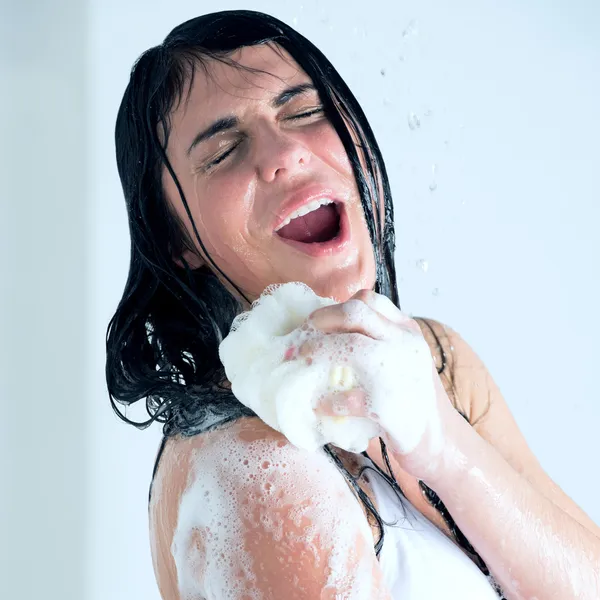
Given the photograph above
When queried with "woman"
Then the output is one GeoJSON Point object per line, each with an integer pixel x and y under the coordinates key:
{"type": "Point", "coordinates": [226, 133]}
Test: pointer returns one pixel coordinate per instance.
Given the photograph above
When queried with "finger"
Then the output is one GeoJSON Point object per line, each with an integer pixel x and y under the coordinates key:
{"type": "Point", "coordinates": [352, 316]}
{"type": "Point", "coordinates": [385, 307]}
{"type": "Point", "coordinates": [343, 404]}
{"type": "Point", "coordinates": [308, 348]}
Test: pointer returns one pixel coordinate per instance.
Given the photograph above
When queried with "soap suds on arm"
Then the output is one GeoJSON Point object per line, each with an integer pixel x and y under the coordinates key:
{"type": "Point", "coordinates": [261, 518]}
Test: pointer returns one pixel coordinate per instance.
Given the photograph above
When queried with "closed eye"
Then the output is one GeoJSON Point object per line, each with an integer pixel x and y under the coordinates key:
{"type": "Point", "coordinates": [310, 113]}
{"type": "Point", "coordinates": [303, 115]}
{"type": "Point", "coordinates": [223, 156]}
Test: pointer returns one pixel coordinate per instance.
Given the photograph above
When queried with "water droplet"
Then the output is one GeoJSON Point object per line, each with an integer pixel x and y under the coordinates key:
{"type": "Point", "coordinates": [434, 168]}
{"type": "Point", "coordinates": [295, 21]}
{"type": "Point", "coordinates": [428, 112]}
{"type": "Point", "coordinates": [382, 72]}
{"type": "Point", "coordinates": [413, 121]}
{"type": "Point", "coordinates": [436, 291]}
{"type": "Point", "coordinates": [401, 58]}
{"type": "Point", "coordinates": [411, 29]}
{"type": "Point", "coordinates": [433, 186]}
{"type": "Point", "coordinates": [387, 102]}
{"type": "Point", "coordinates": [423, 265]}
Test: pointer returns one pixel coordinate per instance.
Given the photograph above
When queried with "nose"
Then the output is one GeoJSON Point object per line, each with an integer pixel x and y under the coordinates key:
{"type": "Point", "coordinates": [280, 154]}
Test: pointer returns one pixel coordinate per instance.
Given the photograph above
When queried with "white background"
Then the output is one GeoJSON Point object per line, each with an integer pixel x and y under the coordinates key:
{"type": "Point", "coordinates": [507, 96]}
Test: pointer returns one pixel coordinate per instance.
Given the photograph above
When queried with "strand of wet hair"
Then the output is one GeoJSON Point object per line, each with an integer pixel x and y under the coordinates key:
{"type": "Point", "coordinates": [363, 496]}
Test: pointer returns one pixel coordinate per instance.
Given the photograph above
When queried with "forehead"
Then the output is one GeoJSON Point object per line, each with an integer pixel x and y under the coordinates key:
{"type": "Point", "coordinates": [225, 86]}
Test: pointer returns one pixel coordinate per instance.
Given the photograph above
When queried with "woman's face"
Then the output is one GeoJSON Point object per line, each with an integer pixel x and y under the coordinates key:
{"type": "Point", "coordinates": [264, 161]}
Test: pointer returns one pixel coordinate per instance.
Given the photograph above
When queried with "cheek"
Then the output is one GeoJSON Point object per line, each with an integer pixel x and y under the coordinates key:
{"type": "Point", "coordinates": [222, 215]}
{"type": "Point", "coordinates": [333, 152]}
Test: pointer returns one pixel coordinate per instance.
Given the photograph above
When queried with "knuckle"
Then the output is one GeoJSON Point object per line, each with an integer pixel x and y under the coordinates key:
{"type": "Point", "coordinates": [353, 308]}
{"type": "Point", "coordinates": [364, 295]}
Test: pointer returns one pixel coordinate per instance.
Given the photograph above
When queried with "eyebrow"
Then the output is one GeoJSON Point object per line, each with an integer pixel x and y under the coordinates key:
{"type": "Point", "coordinates": [230, 122]}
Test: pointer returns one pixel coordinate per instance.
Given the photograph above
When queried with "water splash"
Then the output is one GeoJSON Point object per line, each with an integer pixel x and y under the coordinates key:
{"type": "Point", "coordinates": [413, 121]}
{"type": "Point", "coordinates": [433, 184]}
{"type": "Point", "coordinates": [411, 29]}
{"type": "Point", "coordinates": [423, 265]}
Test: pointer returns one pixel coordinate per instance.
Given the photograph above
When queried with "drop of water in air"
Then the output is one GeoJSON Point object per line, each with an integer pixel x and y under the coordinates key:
{"type": "Point", "coordinates": [413, 121]}
{"type": "Point", "coordinates": [411, 29]}
{"type": "Point", "coordinates": [423, 265]}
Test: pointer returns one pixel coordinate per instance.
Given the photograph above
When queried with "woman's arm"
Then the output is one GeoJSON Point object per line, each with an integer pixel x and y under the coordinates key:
{"type": "Point", "coordinates": [537, 542]}
{"type": "Point", "coordinates": [261, 516]}
{"type": "Point", "coordinates": [492, 419]}
{"type": "Point", "coordinates": [534, 548]}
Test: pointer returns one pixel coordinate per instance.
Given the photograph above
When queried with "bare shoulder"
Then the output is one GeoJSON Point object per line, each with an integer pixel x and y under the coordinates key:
{"type": "Point", "coordinates": [461, 370]}
{"type": "Point", "coordinates": [478, 393]}
{"type": "Point", "coordinates": [240, 509]}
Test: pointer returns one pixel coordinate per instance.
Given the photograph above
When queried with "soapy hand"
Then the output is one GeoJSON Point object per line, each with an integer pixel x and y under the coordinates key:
{"type": "Point", "coordinates": [321, 372]}
{"type": "Point", "coordinates": [386, 374]}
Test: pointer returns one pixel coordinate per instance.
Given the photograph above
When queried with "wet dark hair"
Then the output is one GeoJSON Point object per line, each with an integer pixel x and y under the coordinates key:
{"type": "Point", "coordinates": [162, 342]}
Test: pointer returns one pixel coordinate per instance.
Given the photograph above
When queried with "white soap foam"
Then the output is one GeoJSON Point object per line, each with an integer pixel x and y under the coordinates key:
{"type": "Point", "coordinates": [243, 496]}
{"type": "Point", "coordinates": [261, 360]}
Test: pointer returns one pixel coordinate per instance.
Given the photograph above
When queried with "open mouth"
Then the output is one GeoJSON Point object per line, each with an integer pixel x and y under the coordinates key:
{"type": "Point", "coordinates": [318, 226]}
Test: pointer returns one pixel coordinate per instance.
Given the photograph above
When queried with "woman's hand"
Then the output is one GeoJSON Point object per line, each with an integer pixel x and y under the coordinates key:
{"type": "Point", "coordinates": [395, 380]}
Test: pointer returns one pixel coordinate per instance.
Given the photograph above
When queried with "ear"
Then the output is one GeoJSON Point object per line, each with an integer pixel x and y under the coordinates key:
{"type": "Point", "coordinates": [192, 258]}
